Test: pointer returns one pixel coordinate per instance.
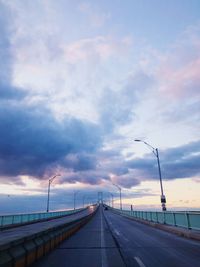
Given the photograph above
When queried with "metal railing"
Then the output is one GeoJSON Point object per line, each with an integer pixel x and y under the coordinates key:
{"type": "Point", "coordinates": [187, 219]}
{"type": "Point", "coordinates": [9, 220]}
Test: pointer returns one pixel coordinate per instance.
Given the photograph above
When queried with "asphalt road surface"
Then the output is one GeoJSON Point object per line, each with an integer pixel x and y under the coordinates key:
{"type": "Point", "coordinates": [151, 247]}
{"type": "Point", "coordinates": [92, 246]}
{"type": "Point", "coordinates": [110, 240]}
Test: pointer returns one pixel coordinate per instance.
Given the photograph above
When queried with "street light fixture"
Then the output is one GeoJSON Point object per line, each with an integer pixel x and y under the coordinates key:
{"type": "Point", "coordinates": [120, 194]}
{"type": "Point", "coordinates": [155, 152]}
{"type": "Point", "coordinates": [50, 182]}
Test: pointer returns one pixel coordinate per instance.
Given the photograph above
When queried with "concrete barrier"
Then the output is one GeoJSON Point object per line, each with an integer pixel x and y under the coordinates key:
{"type": "Point", "coordinates": [5, 258]}
{"type": "Point", "coordinates": [18, 254]}
{"type": "Point", "coordinates": [39, 243]}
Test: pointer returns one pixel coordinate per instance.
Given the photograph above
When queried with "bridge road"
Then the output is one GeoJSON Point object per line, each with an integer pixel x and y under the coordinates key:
{"type": "Point", "coordinates": [134, 245]}
{"type": "Point", "coordinates": [151, 247]}
{"type": "Point", "coordinates": [92, 246]}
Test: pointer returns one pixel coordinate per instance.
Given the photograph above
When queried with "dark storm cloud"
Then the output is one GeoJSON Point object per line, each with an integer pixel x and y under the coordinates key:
{"type": "Point", "coordinates": [32, 142]}
{"type": "Point", "coordinates": [180, 162]}
{"type": "Point", "coordinates": [81, 161]}
{"type": "Point", "coordinates": [127, 181]}
{"type": "Point", "coordinates": [87, 177]}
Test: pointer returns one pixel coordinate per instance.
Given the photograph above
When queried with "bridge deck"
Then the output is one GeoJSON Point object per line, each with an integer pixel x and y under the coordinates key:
{"type": "Point", "coordinates": [139, 244]}
{"type": "Point", "coordinates": [92, 246]}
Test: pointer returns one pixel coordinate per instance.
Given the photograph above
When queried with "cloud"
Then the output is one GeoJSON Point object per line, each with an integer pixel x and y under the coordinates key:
{"type": "Point", "coordinates": [116, 107]}
{"type": "Point", "coordinates": [95, 16]}
{"type": "Point", "coordinates": [178, 77]}
{"type": "Point", "coordinates": [8, 92]}
{"type": "Point", "coordinates": [126, 181]}
{"type": "Point", "coordinates": [5, 55]}
{"type": "Point", "coordinates": [33, 142]}
{"type": "Point", "coordinates": [98, 48]}
{"type": "Point", "coordinates": [80, 162]}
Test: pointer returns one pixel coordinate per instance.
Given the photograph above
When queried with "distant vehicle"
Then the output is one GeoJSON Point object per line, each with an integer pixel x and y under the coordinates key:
{"type": "Point", "coordinates": [105, 208]}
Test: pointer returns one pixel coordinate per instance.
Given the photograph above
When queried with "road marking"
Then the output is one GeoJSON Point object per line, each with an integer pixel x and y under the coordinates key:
{"type": "Point", "coordinates": [117, 232]}
{"type": "Point", "coordinates": [103, 251]}
{"type": "Point", "coordinates": [141, 264]}
{"type": "Point", "coordinates": [120, 235]}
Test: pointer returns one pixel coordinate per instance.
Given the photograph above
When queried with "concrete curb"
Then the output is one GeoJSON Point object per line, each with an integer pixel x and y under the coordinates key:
{"type": "Point", "coordinates": [23, 252]}
{"type": "Point", "coordinates": [187, 233]}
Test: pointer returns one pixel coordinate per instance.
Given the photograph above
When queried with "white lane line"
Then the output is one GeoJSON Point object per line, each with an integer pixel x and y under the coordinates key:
{"type": "Point", "coordinates": [104, 262]}
{"type": "Point", "coordinates": [141, 264]}
{"type": "Point", "coordinates": [120, 235]}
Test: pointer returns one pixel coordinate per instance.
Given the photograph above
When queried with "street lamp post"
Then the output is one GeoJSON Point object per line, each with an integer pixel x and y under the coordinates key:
{"type": "Point", "coordinates": [155, 152]}
{"type": "Point", "coordinates": [112, 198]}
{"type": "Point", "coordinates": [50, 182]}
{"type": "Point", "coordinates": [84, 197]}
{"type": "Point", "coordinates": [120, 194]}
{"type": "Point", "coordinates": [75, 193]}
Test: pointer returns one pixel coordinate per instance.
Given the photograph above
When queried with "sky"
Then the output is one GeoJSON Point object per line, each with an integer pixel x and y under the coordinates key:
{"type": "Point", "coordinates": [79, 82]}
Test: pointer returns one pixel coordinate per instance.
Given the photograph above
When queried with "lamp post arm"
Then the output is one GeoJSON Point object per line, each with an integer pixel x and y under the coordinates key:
{"type": "Point", "coordinates": [51, 180]}
{"type": "Point", "coordinates": [48, 196]}
{"type": "Point", "coordinates": [153, 149]}
{"type": "Point", "coordinates": [159, 171]}
{"type": "Point", "coordinates": [49, 185]}
{"type": "Point", "coordinates": [117, 186]}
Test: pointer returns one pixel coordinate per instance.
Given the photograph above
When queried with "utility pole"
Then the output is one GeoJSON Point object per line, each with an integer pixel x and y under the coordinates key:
{"type": "Point", "coordinates": [48, 194]}
{"type": "Point", "coordinates": [75, 193]}
{"type": "Point", "coordinates": [120, 195]}
{"type": "Point", "coordinates": [155, 152]}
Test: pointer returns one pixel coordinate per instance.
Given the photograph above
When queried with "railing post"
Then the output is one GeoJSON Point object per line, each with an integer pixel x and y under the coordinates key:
{"type": "Point", "coordinates": [174, 216]}
{"type": "Point", "coordinates": [187, 220]}
{"type": "Point", "coordinates": [164, 217]}
{"type": "Point", "coordinates": [156, 216]}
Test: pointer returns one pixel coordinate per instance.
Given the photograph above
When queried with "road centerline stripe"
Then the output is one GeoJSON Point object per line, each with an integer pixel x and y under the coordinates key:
{"type": "Point", "coordinates": [139, 261]}
{"type": "Point", "coordinates": [103, 251]}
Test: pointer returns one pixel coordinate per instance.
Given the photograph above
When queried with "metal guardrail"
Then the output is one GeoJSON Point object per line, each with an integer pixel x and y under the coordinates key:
{"type": "Point", "coordinates": [9, 220]}
{"type": "Point", "coordinates": [189, 220]}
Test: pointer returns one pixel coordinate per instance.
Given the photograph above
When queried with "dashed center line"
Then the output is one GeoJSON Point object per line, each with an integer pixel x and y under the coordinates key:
{"type": "Point", "coordinates": [139, 261]}
{"type": "Point", "coordinates": [103, 251]}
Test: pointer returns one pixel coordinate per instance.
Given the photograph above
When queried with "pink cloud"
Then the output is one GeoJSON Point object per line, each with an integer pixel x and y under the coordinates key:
{"type": "Point", "coordinates": [99, 47]}
{"type": "Point", "coordinates": [96, 17]}
{"type": "Point", "coordinates": [181, 82]}
{"type": "Point", "coordinates": [179, 71]}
